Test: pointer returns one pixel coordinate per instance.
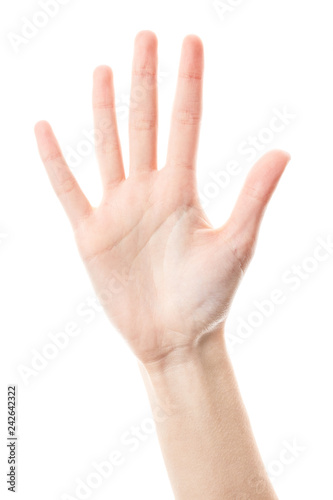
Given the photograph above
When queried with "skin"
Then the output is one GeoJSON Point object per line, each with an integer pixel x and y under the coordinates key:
{"type": "Point", "coordinates": [166, 277]}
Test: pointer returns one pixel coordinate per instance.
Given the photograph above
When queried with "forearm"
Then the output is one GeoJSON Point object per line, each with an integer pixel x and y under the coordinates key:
{"type": "Point", "coordinates": [203, 428]}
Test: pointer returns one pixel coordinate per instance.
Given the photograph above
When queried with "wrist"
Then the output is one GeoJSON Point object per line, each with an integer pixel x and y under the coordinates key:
{"type": "Point", "coordinates": [188, 377]}
{"type": "Point", "coordinates": [204, 353]}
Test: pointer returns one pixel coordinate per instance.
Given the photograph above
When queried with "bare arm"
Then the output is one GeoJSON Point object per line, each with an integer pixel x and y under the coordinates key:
{"type": "Point", "coordinates": [203, 428]}
{"type": "Point", "coordinates": [178, 273]}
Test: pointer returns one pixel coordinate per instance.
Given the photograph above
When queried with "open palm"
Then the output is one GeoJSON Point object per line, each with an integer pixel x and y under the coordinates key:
{"type": "Point", "coordinates": [164, 276]}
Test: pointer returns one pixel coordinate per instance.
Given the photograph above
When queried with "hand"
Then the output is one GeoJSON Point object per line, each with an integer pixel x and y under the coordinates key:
{"type": "Point", "coordinates": [165, 276]}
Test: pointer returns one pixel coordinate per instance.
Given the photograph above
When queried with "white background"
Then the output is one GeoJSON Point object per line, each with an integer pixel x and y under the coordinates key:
{"type": "Point", "coordinates": [260, 56]}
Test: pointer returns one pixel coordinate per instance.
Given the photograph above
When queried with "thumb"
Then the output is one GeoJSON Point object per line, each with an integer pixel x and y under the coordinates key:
{"type": "Point", "coordinates": [244, 223]}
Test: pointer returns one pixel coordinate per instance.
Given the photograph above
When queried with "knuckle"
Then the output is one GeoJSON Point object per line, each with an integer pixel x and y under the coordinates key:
{"type": "Point", "coordinates": [108, 146]}
{"type": "Point", "coordinates": [144, 72]}
{"type": "Point", "coordinates": [242, 246]}
{"type": "Point", "coordinates": [188, 117]}
{"type": "Point", "coordinates": [190, 75]}
{"type": "Point", "coordinates": [143, 121]}
{"type": "Point", "coordinates": [180, 164]}
{"type": "Point", "coordinates": [55, 157]}
{"type": "Point", "coordinates": [67, 185]}
{"type": "Point", "coordinates": [255, 194]}
{"type": "Point", "coordinates": [103, 105]}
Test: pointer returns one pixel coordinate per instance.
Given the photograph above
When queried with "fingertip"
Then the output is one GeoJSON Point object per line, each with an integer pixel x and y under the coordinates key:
{"type": "Point", "coordinates": [192, 57]}
{"type": "Point", "coordinates": [43, 131]}
{"type": "Point", "coordinates": [270, 166]}
{"type": "Point", "coordinates": [103, 73]}
{"type": "Point", "coordinates": [193, 46]}
{"type": "Point", "coordinates": [193, 41]}
{"type": "Point", "coordinates": [41, 126]}
{"type": "Point", "coordinates": [146, 38]}
{"type": "Point", "coordinates": [286, 155]}
{"type": "Point", "coordinates": [278, 156]}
